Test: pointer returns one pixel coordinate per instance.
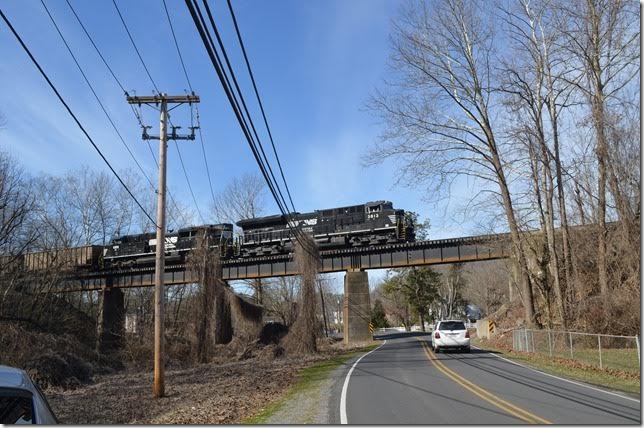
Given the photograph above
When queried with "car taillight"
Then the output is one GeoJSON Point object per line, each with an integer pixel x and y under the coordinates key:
{"type": "Point", "coordinates": [467, 334]}
{"type": "Point", "coordinates": [437, 335]}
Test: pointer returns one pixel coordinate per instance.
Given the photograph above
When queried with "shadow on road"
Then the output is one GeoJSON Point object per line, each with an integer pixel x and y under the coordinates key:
{"type": "Point", "coordinates": [399, 334]}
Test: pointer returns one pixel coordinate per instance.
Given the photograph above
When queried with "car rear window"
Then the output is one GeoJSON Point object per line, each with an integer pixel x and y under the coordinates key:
{"type": "Point", "coordinates": [451, 325]}
{"type": "Point", "coordinates": [16, 406]}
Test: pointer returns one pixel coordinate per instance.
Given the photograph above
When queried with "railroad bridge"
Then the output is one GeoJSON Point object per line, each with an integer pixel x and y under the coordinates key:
{"type": "Point", "coordinates": [354, 261]}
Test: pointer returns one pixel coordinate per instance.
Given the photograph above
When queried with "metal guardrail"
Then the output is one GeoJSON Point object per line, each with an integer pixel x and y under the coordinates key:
{"type": "Point", "coordinates": [603, 350]}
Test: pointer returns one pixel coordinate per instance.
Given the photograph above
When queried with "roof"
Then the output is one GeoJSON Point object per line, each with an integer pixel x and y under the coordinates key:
{"type": "Point", "coordinates": [11, 377]}
{"type": "Point", "coordinates": [263, 221]}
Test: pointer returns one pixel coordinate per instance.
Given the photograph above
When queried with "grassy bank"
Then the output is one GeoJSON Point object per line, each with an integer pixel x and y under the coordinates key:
{"type": "Point", "coordinates": [308, 378]}
{"type": "Point", "coordinates": [620, 380]}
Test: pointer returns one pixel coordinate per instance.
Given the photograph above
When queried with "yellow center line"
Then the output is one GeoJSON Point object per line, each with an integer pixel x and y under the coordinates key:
{"type": "Point", "coordinates": [482, 393]}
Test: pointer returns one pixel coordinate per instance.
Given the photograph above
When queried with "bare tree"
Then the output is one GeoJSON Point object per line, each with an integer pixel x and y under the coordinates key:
{"type": "Point", "coordinates": [280, 297]}
{"type": "Point", "coordinates": [535, 95]}
{"type": "Point", "coordinates": [487, 286]}
{"type": "Point", "coordinates": [440, 113]}
{"type": "Point", "coordinates": [602, 40]}
{"type": "Point", "coordinates": [451, 290]}
{"type": "Point", "coordinates": [16, 204]}
{"type": "Point", "coordinates": [242, 198]}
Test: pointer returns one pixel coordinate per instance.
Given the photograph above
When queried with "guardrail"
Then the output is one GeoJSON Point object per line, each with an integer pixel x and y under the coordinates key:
{"type": "Point", "coordinates": [603, 350]}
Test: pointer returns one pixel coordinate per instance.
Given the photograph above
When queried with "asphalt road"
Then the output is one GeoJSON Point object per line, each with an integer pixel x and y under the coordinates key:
{"type": "Point", "coordinates": [403, 382]}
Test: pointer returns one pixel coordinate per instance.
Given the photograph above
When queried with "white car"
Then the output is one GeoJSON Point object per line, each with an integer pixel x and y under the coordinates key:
{"type": "Point", "coordinates": [21, 401]}
{"type": "Point", "coordinates": [450, 334]}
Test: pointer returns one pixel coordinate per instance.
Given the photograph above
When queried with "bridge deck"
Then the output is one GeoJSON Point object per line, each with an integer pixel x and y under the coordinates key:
{"type": "Point", "coordinates": [433, 252]}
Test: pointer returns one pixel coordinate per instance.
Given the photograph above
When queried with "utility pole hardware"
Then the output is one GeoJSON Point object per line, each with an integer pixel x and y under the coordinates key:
{"type": "Point", "coordinates": [162, 100]}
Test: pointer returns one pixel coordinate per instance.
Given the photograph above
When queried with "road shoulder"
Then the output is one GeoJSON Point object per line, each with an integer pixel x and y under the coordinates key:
{"type": "Point", "coordinates": [313, 399]}
{"type": "Point", "coordinates": [588, 377]}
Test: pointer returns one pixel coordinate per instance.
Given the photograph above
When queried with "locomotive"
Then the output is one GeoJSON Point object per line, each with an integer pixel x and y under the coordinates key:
{"type": "Point", "coordinates": [371, 223]}
{"type": "Point", "coordinates": [140, 249]}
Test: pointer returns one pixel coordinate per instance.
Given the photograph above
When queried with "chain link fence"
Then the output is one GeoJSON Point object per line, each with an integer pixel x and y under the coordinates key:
{"type": "Point", "coordinates": [602, 350]}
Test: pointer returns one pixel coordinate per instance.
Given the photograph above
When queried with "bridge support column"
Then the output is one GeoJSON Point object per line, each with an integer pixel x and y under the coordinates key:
{"type": "Point", "coordinates": [356, 307]}
{"type": "Point", "coordinates": [111, 320]}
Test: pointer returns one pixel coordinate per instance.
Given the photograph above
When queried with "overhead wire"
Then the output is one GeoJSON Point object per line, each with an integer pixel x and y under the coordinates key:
{"type": "Point", "coordinates": [208, 43]}
{"type": "Point", "coordinates": [127, 30]}
{"type": "Point", "coordinates": [185, 72]}
{"type": "Point", "coordinates": [259, 101]}
{"type": "Point", "coordinates": [134, 111]}
{"type": "Point", "coordinates": [232, 97]}
{"type": "Point", "coordinates": [71, 113]}
{"type": "Point", "coordinates": [91, 87]}
{"type": "Point", "coordinates": [243, 102]}
{"type": "Point", "coordinates": [185, 173]}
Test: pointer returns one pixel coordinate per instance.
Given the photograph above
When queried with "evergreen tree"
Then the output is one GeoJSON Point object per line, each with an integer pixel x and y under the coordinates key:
{"type": "Point", "coordinates": [378, 316]}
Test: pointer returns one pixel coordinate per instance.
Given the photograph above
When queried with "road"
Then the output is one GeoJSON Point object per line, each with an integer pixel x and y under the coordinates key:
{"type": "Point", "coordinates": [404, 382]}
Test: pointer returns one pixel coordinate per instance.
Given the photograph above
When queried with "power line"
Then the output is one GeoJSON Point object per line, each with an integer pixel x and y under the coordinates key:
{"type": "Point", "coordinates": [71, 113]}
{"type": "Point", "coordinates": [176, 44]}
{"type": "Point", "coordinates": [96, 48]}
{"type": "Point", "coordinates": [206, 38]}
{"type": "Point", "coordinates": [189, 186]}
{"type": "Point", "coordinates": [185, 72]}
{"type": "Point", "coordinates": [216, 61]}
{"type": "Point", "coordinates": [109, 118]}
{"type": "Point", "coordinates": [259, 101]}
{"type": "Point", "coordinates": [203, 151]}
{"type": "Point", "coordinates": [134, 111]}
{"type": "Point", "coordinates": [127, 30]}
{"type": "Point", "coordinates": [241, 97]}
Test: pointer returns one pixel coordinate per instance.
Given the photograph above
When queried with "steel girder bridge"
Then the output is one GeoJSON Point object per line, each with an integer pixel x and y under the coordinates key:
{"type": "Point", "coordinates": [431, 252]}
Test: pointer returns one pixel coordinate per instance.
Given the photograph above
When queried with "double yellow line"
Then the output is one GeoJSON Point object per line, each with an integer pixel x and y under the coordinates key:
{"type": "Point", "coordinates": [482, 393]}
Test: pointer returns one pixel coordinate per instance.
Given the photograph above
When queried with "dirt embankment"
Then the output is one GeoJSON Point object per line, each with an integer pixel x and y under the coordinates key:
{"type": "Point", "coordinates": [214, 393]}
{"type": "Point", "coordinates": [206, 394]}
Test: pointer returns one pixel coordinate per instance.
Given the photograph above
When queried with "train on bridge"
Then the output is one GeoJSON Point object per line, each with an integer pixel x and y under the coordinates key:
{"type": "Point", "coordinates": [366, 224]}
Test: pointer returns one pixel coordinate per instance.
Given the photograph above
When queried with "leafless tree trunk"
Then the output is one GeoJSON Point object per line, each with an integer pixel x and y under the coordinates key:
{"type": "Point", "coordinates": [440, 116]}
{"type": "Point", "coordinates": [602, 39]}
{"type": "Point", "coordinates": [528, 89]}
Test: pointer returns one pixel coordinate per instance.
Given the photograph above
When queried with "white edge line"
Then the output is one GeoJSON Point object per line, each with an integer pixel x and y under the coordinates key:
{"type": "Point", "coordinates": [345, 387]}
{"type": "Point", "coordinates": [562, 378]}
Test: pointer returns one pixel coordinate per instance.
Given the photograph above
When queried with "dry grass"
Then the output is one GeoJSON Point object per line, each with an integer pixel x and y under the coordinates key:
{"type": "Point", "coordinates": [623, 380]}
{"type": "Point", "coordinates": [205, 394]}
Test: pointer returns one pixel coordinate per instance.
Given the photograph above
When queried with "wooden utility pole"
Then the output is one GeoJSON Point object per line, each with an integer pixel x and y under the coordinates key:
{"type": "Point", "coordinates": [159, 268]}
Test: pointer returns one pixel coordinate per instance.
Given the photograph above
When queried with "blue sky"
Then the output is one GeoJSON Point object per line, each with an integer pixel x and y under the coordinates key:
{"type": "Point", "coordinates": [316, 63]}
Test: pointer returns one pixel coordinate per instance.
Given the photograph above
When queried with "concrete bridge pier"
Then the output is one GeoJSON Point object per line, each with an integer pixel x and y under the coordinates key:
{"type": "Point", "coordinates": [111, 320]}
{"type": "Point", "coordinates": [356, 307]}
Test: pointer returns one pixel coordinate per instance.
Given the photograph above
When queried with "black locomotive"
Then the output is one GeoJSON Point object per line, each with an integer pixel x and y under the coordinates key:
{"type": "Point", "coordinates": [140, 249]}
{"type": "Point", "coordinates": [358, 225]}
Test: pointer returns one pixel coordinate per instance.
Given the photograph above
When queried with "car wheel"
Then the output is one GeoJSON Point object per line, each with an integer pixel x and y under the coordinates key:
{"type": "Point", "coordinates": [467, 349]}
{"type": "Point", "coordinates": [437, 349]}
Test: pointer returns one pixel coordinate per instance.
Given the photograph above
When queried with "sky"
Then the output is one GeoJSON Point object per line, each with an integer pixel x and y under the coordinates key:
{"type": "Point", "coordinates": [316, 62]}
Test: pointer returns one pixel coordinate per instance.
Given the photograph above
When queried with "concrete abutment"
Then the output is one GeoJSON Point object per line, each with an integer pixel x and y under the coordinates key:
{"type": "Point", "coordinates": [111, 320]}
{"type": "Point", "coordinates": [356, 307]}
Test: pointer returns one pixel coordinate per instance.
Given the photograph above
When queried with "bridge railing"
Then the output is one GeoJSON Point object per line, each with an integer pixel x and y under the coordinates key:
{"type": "Point", "coordinates": [601, 350]}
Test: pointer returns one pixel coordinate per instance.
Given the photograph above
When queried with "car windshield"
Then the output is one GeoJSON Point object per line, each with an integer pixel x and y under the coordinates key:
{"type": "Point", "coordinates": [451, 325]}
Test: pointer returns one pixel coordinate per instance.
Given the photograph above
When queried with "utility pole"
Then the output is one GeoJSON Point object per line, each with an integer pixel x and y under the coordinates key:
{"type": "Point", "coordinates": [162, 100]}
